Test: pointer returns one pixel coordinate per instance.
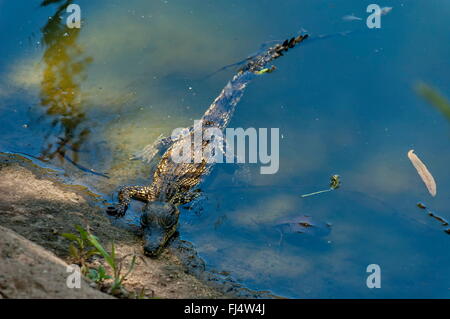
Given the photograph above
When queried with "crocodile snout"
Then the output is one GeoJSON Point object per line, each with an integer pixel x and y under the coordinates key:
{"type": "Point", "coordinates": [159, 222]}
{"type": "Point", "coordinates": [154, 243]}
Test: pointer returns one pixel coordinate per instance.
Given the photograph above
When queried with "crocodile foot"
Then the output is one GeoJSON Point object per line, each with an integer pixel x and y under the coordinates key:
{"type": "Point", "coordinates": [117, 211]}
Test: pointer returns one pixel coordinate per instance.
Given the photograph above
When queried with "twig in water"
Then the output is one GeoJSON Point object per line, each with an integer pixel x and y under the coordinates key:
{"type": "Point", "coordinates": [335, 183]}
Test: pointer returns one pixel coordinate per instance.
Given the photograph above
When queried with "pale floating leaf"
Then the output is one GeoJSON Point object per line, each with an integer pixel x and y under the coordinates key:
{"type": "Point", "coordinates": [423, 172]}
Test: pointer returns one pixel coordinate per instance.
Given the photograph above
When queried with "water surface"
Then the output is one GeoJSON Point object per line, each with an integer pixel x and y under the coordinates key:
{"type": "Point", "coordinates": [345, 105]}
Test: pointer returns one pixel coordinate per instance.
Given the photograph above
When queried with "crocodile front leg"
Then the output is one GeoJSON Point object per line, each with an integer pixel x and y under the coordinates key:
{"type": "Point", "coordinates": [126, 194]}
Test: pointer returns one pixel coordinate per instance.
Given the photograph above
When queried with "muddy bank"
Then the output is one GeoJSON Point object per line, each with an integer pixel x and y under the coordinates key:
{"type": "Point", "coordinates": [35, 204]}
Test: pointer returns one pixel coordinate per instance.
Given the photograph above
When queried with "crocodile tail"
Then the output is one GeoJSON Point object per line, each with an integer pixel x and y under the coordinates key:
{"type": "Point", "coordinates": [288, 44]}
{"type": "Point", "coordinates": [148, 153]}
{"type": "Point", "coordinates": [259, 62]}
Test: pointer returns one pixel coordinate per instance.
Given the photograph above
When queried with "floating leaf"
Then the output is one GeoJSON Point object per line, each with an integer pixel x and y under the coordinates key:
{"type": "Point", "coordinates": [439, 218]}
{"type": "Point", "coordinates": [266, 70]}
{"type": "Point", "coordinates": [421, 206]}
{"type": "Point", "coordinates": [351, 17]}
{"type": "Point", "coordinates": [423, 172]}
{"type": "Point", "coordinates": [335, 183]}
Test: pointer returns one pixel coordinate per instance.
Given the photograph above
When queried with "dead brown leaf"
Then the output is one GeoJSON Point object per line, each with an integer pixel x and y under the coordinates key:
{"type": "Point", "coordinates": [423, 172]}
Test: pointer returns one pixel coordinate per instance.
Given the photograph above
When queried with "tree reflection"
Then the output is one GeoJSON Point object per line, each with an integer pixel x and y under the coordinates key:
{"type": "Point", "coordinates": [63, 71]}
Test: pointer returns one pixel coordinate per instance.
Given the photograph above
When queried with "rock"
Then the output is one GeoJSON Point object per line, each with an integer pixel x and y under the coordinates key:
{"type": "Point", "coordinates": [28, 270]}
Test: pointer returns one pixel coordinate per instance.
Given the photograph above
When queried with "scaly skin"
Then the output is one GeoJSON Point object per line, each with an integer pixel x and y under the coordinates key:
{"type": "Point", "coordinates": [174, 183]}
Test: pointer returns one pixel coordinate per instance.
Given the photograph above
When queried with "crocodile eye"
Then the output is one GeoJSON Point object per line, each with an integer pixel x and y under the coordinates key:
{"type": "Point", "coordinates": [145, 219]}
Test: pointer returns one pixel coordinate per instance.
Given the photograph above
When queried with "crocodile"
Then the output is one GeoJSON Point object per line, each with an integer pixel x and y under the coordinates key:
{"type": "Point", "coordinates": [174, 183]}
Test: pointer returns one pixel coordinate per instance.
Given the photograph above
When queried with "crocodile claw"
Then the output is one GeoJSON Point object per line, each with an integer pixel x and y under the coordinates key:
{"type": "Point", "coordinates": [111, 210]}
{"type": "Point", "coordinates": [115, 211]}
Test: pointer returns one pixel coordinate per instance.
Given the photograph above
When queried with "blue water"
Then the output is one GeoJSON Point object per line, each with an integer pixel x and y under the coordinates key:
{"type": "Point", "coordinates": [344, 104]}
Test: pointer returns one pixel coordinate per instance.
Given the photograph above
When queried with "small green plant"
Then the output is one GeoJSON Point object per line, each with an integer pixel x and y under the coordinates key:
{"type": "Point", "coordinates": [81, 249]}
{"type": "Point", "coordinates": [115, 263]}
{"type": "Point", "coordinates": [139, 294]}
{"type": "Point", "coordinates": [84, 245]}
{"type": "Point", "coordinates": [98, 275]}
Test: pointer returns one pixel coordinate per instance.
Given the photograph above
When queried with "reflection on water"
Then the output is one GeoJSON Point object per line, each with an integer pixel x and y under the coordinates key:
{"type": "Point", "coordinates": [63, 70]}
{"type": "Point", "coordinates": [344, 105]}
{"type": "Point", "coordinates": [434, 97]}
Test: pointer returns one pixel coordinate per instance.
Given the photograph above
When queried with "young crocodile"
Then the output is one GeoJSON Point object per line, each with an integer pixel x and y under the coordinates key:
{"type": "Point", "coordinates": [174, 183]}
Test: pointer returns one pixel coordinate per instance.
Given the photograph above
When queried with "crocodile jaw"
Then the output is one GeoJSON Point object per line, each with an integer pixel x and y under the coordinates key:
{"type": "Point", "coordinates": [155, 240]}
{"type": "Point", "coordinates": [159, 222]}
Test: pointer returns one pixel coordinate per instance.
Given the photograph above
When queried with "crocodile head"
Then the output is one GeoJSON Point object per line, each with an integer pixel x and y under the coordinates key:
{"type": "Point", "coordinates": [159, 222]}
